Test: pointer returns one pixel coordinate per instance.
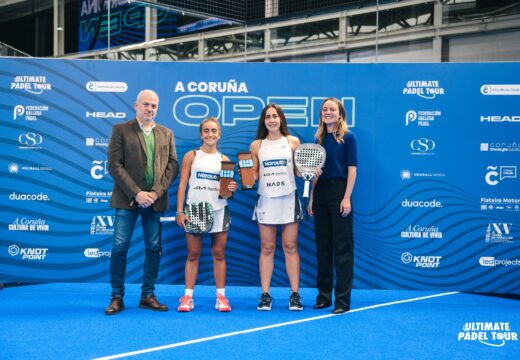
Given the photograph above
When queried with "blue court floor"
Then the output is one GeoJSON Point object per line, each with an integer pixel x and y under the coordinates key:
{"type": "Point", "coordinates": [66, 321]}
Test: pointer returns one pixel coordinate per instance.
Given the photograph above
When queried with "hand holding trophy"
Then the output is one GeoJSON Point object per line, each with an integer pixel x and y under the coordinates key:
{"type": "Point", "coordinates": [245, 167]}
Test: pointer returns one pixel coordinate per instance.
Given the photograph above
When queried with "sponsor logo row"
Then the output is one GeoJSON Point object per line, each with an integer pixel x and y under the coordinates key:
{"type": "Point", "coordinates": [40, 254]}
{"type": "Point", "coordinates": [434, 261]}
{"type": "Point", "coordinates": [494, 232]}
{"type": "Point", "coordinates": [99, 225]}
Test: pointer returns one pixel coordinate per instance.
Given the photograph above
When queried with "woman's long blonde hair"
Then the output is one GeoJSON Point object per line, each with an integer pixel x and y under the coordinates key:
{"type": "Point", "coordinates": [341, 127]}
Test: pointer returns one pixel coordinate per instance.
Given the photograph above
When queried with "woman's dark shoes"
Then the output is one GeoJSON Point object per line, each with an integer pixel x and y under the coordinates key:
{"type": "Point", "coordinates": [116, 305]}
{"type": "Point", "coordinates": [321, 305]}
{"type": "Point", "coordinates": [340, 309]}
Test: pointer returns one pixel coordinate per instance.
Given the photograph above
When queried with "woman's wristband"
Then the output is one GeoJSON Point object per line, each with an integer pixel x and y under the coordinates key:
{"type": "Point", "coordinates": [179, 213]}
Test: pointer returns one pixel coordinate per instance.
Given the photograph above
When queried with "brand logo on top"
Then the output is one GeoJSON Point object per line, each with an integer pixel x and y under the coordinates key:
{"type": "Point", "coordinates": [29, 112]}
{"type": "Point", "coordinates": [278, 162]}
{"type": "Point", "coordinates": [207, 176]}
{"type": "Point", "coordinates": [105, 115]}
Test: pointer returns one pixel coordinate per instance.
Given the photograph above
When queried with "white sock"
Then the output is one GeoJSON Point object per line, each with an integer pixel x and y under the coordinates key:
{"type": "Point", "coordinates": [221, 291]}
{"type": "Point", "coordinates": [188, 292]}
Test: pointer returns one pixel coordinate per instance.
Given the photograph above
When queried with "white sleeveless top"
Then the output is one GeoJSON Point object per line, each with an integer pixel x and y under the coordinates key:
{"type": "Point", "coordinates": [204, 183]}
{"type": "Point", "coordinates": [276, 168]}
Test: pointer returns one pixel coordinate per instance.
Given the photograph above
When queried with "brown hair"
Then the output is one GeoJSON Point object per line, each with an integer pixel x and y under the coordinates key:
{"type": "Point", "coordinates": [261, 132]}
{"type": "Point", "coordinates": [341, 127]}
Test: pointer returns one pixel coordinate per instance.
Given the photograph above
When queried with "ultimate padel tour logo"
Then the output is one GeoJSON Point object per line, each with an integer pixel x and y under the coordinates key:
{"type": "Point", "coordinates": [495, 334]}
{"type": "Point", "coordinates": [30, 83]}
{"type": "Point", "coordinates": [427, 89]}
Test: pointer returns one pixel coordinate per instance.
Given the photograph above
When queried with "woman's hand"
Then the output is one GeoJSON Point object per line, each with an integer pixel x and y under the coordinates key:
{"type": "Point", "coordinates": [345, 207]}
{"type": "Point", "coordinates": [182, 220]}
{"type": "Point", "coordinates": [233, 186]}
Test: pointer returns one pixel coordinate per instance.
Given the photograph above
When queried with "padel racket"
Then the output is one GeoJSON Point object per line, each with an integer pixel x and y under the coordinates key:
{"type": "Point", "coordinates": [308, 158]}
{"type": "Point", "coordinates": [200, 217]}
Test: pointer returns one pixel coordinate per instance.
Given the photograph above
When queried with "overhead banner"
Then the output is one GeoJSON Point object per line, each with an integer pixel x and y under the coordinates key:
{"type": "Point", "coordinates": [436, 201]}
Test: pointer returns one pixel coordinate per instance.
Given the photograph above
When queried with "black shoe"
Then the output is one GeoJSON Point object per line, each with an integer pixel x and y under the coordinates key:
{"type": "Point", "coordinates": [340, 309]}
{"type": "Point", "coordinates": [321, 305]}
{"type": "Point", "coordinates": [295, 302]}
{"type": "Point", "coordinates": [116, 305]}
{"type": "Point", "coordinates": [265, 302]}
{"type": "Point", "coordinates": [150, 302]}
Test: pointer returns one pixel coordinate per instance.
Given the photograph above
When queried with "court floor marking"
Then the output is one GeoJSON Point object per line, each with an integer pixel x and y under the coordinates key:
{"type": "Point", "coordinates": [247, 331]}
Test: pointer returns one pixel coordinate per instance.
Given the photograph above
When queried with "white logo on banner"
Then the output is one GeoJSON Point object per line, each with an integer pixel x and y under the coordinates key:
{"type": "Point", "coordinates": [101, 142]}
{"type": "Point", "coordinates": [96, 253]}
{"type": "Point", "coordinates": [31, 112]}
{"type": "Point", "coordinates": [500, 118]}
{"type": "Point", "coordinates": [28, 253]}
{"type": "Point", "coordinates": [499, 233]}
{"type": "Point", "coordinates": [434, 203]}
{"type": "Point", "coordinates": [102, 225]}
{"type": "Point", "coordinates": [495, 174]}
{"type": "Point", "coordinates": [106, 86]}
{"type": "Point", "coordinates": [491, 261]}
{"type": "Point", "coordinates": [25, 224]}
{"type": "Point", "coordinates": [427, 89]}
{"type": "Point", "coordinates": [494, 334]}
{"type": "Point", "coordinates": [423, 261]}
{"type": "Point", "coordinates": [495, 89]}
{"type": "Point", "coordinates": [32, 84]}
{"type": "Point", "coordinates": [421, 232]}
{"type": "Point", "coordinates": [30, 141]}
{"type": "Point", "coordinates": [500, 147]}
{"type": "Point", "coordinates": [423, 117]}
{"type": "Point", "coordinates": [99, 169]}
{"type": "Point", "coordinates": [507, 204]}
{"type": "Point", "coordinates": [422, 146]}
{"type": "Point", "coordinates": [105, 115]}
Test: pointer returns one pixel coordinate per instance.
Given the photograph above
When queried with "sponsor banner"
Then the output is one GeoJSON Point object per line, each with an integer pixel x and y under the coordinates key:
{"type": "Point", "coordinates": [436, 194]}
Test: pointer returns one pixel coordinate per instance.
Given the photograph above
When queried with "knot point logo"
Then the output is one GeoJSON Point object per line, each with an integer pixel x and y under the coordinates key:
{"type": "Point", "coordinates": [422, 261]}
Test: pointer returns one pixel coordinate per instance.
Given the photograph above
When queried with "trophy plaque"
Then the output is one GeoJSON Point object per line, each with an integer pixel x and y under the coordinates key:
{"type": "Point", "coordinates": [245, 167]}
{"type": "Point", "coordinates": [227, 174]}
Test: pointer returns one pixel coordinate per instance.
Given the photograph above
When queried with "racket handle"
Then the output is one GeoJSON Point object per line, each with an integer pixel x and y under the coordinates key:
{"type": "Point", "coordinates": [306, 189]}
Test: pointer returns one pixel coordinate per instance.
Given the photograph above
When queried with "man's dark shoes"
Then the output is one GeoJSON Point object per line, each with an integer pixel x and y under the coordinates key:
{"type": "Point", "coordinates": [150, 302]}
{"type": "Point", "coordinates": [321, 305]}
{"type": "Point", "coordinates": [340, 309]}
{"type": "Point", "coordinates": [116, 305]}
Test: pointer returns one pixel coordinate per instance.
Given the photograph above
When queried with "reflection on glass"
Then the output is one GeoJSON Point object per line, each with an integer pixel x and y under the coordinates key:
{"type": "Point", "coordinates": [467, 10]}
{"type": "Point", "coordinates": [305, 33]}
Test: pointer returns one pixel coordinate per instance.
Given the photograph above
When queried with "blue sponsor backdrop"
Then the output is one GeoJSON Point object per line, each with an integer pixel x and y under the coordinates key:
{"type": "Point", "coordinates": [437, 200]}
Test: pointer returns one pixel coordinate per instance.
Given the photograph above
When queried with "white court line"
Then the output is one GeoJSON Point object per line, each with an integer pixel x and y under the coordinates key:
{"type": "Point", "coordinates": [209, 338]}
